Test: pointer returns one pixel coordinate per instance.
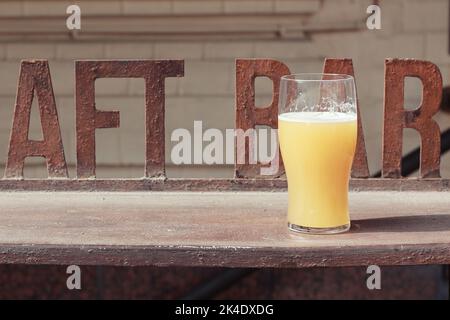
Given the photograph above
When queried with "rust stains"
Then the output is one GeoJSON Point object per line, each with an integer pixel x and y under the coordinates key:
{"type": "Point", "coordinates": [89, 118]}
{"type": "Point", "coordinates": [396, 118]}
{"type": "Point", "coordinates": [247, 114]}
{"type": "Point", "coordinates": [35, 77]}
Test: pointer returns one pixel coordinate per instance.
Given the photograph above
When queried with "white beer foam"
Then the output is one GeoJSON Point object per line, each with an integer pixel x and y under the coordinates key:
{"type": "Point", "coordinates": [322, 117]}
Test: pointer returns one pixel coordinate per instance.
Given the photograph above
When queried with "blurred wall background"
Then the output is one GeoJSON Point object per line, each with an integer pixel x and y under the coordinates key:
{"type": "Point", "coordinates": [209, 35]}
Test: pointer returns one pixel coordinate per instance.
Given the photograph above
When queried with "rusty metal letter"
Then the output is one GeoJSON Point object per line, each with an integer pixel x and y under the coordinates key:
{"type": "Point", "coordinates": [247, 115]}
{"type": "Point", "coordinates": [35, 77]}
{"type": "Point", "coordinates": [360, 169]}
{"type": "Point", "coordinates": [89, 118]}
{"type": "Point", "coordinates": [396, 118]}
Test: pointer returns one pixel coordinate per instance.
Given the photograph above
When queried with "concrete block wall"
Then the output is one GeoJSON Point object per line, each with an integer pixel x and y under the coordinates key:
{"type": "Point", "coordinates": [410, 28]}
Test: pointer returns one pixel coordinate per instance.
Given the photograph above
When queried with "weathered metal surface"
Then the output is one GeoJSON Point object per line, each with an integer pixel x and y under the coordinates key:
{"type": "Point", "coordinates": [144, 228]}
{"type": "Point", "coordinates": [388, 227]}
{"type": "Point", "coordinates": [238, 184]}
{"type": "Point", "coordinates": [360, 168]}
{"type": "Point", "coordinates": [35, 77]}
{"type": "Point", "coordinates": [89, 118]}
{"type": "Point", "coordinates": [396, 118]}
{"type": "Point", "coordinates": [247, 114]}
{"type": "Point", "coordinates": [205, 256]}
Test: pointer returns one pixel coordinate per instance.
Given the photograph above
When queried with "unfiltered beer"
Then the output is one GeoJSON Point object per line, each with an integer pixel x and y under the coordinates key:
{"type": "Point", "coordinates": [317, 128]}
{"type": "Point", "coordinates": [317, 150]}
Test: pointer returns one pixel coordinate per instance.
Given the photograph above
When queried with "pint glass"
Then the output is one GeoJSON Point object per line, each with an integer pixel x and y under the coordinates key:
{"type": "Point", "coordinates": [317, 128]}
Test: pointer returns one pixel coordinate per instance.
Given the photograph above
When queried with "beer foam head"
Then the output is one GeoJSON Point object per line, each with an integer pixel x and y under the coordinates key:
{"type": "Point", "coordinates": [317, 116]}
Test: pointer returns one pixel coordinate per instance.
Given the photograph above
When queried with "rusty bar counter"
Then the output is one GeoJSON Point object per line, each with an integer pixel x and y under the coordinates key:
{"type": "Point", "coordinates": [226, 229]}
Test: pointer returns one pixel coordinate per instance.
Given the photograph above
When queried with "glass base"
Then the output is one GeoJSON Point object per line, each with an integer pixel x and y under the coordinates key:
{"type": "Point", "coordinates": [310, 230]}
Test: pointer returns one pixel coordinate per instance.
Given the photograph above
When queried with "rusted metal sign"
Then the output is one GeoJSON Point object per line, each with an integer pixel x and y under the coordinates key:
{"type": "Point", "coordinates": [35, 76]}
{"type": "Point", "coordinates": [89, 118]}
{"type": "Point", "coordinates": [35, 79]}
{"type": "Point", "coordinates": [247, 115]}
{"type": "Point", "coordinates": [396, 117]}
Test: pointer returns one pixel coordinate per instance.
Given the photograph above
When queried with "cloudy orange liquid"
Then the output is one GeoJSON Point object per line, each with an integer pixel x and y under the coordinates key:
{"type": "Point", "coordinates": [317, 150]}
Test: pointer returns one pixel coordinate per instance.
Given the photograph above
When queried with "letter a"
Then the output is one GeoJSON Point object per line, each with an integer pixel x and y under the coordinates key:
{"type": "Point", "coordinates": [374, 280]}
{"type": "Point", "coordinates": [374, 20]}
{"type": "Point", "coordinates": [74, 20]}
{"type": "Point", "coordinates": [74, 280]}
{"type": "Point", "coordinates": [35, 77]}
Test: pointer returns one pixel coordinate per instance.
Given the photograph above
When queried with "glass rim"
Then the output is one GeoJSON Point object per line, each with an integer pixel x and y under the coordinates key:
{"type": "Point", "coordinates": [310, 77]}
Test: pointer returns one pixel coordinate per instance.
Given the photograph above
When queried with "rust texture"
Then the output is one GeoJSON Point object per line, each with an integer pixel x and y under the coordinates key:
{"type": "Point", "coordinates": [184, 184]}
{"type": "Point", "coordinates": [89, 118]}
{"type": "Point", "coordinates": [164, 229]}
{"type": "Point", "coordinates": [231, 256]}
{"type": "Point", "coordinates": [396, 118]}
{"type": "Point", "coordinates": [247, 114]}
{"type": "Point", "coordinates": [360, 168]}
{"type": "Point", "coordinates": [35, 77]}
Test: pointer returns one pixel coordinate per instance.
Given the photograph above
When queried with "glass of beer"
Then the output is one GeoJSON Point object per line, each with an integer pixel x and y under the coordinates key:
{"type": "Point", "coordinates": [317, 129]}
